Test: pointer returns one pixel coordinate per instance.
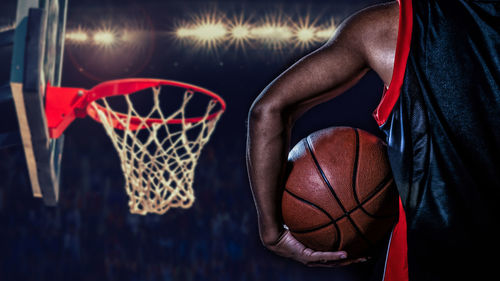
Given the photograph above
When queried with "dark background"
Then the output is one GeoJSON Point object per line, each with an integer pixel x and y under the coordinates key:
{"type": "Point", "coordinates": [91, 235]}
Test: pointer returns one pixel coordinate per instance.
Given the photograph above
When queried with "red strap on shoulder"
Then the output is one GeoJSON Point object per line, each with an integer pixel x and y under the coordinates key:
{"type": "Point", "coordinates": [402, 50]}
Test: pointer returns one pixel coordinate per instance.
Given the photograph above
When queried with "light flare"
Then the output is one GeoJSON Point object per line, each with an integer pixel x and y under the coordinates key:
{"type": "Point", "coordinates": [327, 32]}
{"type": "Point", "coordinates": [240, 32]}
{"type": "Point", "coordinates": [305, 34]}
{"type": "Point", "coordinates": [212, 31]}
{"type": "Point", "coordinates": [206, 32]}
{"type": "Point", "coordinates": [104, 38]}
{"type": "Point", "coordinates": [184, 32]}
{"type": "Point", "coordinates": [209, 31]}
{"type": "Point", "coordinates": [272, 32]}
{"type": "Point", "coordinates": [77, 36]}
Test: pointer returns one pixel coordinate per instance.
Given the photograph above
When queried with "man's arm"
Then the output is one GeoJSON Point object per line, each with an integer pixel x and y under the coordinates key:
{"type": "Point", "coordinates": [322, 75]}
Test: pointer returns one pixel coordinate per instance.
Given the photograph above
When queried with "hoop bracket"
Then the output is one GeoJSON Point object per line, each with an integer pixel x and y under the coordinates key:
{"type": "Point", "coordinates": [62, 106]}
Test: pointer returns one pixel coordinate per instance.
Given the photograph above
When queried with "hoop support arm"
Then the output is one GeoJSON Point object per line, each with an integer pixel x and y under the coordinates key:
{"type": "Point", "coordinates": [62, 106]}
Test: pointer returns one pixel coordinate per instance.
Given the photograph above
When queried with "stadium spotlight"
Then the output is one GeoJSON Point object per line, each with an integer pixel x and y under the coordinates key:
{"type": "Point", "coordinates": [105, 38]}
{"type": "Point", "coordinates": [77, 36]}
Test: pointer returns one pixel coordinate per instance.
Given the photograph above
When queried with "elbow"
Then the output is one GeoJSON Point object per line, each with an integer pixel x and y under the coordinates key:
{"type": "Point", "coordinates": [273, 115]}
{"type": "Point", "coordinates": [258, 110]}
{"type": "Point", "coordinates": [262, 111]}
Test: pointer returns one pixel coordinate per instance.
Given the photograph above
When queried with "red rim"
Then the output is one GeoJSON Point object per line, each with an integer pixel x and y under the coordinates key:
{"type": "Point", "coordinates": [132, 85]}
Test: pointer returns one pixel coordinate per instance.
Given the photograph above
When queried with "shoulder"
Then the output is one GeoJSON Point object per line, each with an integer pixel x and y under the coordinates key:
{"type": "Point", "coordinates": [370, 22]}
{"type": "Point", "coordinates": [372, 33]}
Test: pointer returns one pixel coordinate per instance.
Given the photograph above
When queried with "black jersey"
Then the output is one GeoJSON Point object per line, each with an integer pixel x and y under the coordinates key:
{"type": "Point", "coordinates": [441, 115]}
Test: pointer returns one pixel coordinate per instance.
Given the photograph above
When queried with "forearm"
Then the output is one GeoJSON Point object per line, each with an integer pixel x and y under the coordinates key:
{"type": "Point", "coordinates": [269, 126]}
{"type": "Point", "coordinates": [267, 147]}
{"type": "Point", "coordinates": [318, 77]}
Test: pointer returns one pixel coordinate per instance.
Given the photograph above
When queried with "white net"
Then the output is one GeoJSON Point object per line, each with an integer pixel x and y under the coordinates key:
{"type": "Point", "coordinates": [158, 159]}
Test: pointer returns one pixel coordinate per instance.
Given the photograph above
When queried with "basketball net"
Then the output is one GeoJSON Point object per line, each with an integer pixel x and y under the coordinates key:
{"type": "Point", "coordinates": [158, 159]}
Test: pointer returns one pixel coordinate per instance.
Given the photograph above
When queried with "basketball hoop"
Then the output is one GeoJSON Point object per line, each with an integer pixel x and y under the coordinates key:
{"type": "Point", "coordinates": [158, 150]}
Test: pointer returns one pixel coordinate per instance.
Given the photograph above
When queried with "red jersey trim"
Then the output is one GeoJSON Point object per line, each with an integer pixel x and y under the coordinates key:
{"type": "Point", "coordinates": [396, 264]}
{"type": "Point", "coordinates": [402, 50]}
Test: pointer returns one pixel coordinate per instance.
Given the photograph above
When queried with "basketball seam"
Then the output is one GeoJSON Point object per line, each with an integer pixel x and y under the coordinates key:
{"type": "Point", "coordinates": [327, 182]}
{"type": "Point", "coordinates": [384, 181]}
{"type": "Point", "coordinates": [312, 229]}
{"type": "Point", "coordinates": [378, 189]}
{"type": "Point", "coordinates": [332, 221]}
{"type": "Point", "coordinates": [323, 176]}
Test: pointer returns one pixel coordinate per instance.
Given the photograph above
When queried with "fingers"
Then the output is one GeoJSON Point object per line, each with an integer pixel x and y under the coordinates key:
{"type": "Point", "coordinates": [289, 247]}
{"type": "Point", "coordinates": [311, 256]}
{"type": "Point", "coordinates": [328, 264]}
{"type": "Point", "coordinates": [336, 263]}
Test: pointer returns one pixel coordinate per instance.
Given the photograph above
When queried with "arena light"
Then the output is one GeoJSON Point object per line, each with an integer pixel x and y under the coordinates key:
{"type": "Point", "coordinates": [305, 31]}
{"type": "Point", "coordinates": [240, 36]}
{"type": "Point", "coordinates": [184, 32]}
{"type": "Point", "coordinates": [205, 31]}
{"type": "Point", "coordinates": [77, 36]}
{"type": "Point", "coordinates": [203, 35]}
{"type": "Point", "coordinates": [240, 32]}
{"type": "Point", "coordinates": [104, 38]}
{"type": "Point", "coordinates": [272, 32]}
{"type": "Point", "coordinates": [326, 32]}
{"type": "Point", "coordinates": [305, 34]}
{"type": "Point", "coordinates": [209, 31]}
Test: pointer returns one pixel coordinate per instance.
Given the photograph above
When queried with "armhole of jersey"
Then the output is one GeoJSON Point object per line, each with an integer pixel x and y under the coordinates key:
{"type": "Point", "coordinates": [391, 95]}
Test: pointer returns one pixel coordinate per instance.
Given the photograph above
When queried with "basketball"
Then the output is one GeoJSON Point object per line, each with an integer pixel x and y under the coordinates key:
{"type": "Point", "coordinates": [339, 193]}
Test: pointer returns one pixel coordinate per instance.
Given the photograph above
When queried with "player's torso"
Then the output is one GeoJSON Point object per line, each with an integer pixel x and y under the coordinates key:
{"type": "Point", "coordinates": [443, 135]}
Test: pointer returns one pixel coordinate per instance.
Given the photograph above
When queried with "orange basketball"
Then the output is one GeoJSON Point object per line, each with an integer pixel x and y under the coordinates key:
{"type": "Point", "coordinates": [340, 194]}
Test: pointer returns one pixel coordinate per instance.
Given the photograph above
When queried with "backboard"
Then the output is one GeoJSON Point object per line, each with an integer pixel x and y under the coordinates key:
{"type": "Point", "coordinates": [38, 43]}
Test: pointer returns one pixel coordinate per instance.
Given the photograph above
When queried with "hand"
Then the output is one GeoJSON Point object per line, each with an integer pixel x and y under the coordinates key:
{"type": "Point", "coordinates": [289, 247]}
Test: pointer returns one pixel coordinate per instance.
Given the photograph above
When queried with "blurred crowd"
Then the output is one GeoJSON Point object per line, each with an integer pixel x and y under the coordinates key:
{"type": "Point", "coordinates": [91, 234]}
